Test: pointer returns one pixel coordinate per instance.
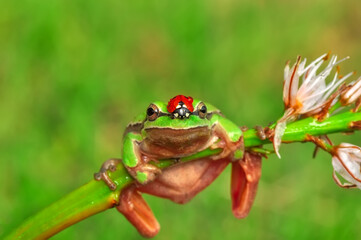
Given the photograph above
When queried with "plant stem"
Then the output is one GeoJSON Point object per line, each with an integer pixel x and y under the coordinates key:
{"type": "Point", "coordinates": [297, 131]}
{"type": "Point", "coordinates": [85, 201]}
{"type": "Point", "coordinates": [95, 196]}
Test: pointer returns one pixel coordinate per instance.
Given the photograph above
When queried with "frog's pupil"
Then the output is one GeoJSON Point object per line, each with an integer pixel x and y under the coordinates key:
{"type": "Point", "coordinates": [203, 109]}
{"type": "Point", "coordinates": [150, 111]}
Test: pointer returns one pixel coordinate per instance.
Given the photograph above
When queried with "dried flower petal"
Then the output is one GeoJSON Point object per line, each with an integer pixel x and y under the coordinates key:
{"type": "Point", "coordinates": [352, 93]}
{"type": "Point", "coordinates": [279, 131]}
{"type": "Point", "coordinates": [347, 162]}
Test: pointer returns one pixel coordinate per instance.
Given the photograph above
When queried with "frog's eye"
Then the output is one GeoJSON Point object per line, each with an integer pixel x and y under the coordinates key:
{"type": "Point", "coordinates": [202, 110]}
{"type": "Point", "coordinates": [152, 112]}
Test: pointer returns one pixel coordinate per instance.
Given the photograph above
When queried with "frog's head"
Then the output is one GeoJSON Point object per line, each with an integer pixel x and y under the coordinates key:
{"type": "Point", "coordinates": [180, 112]}
{"type": "Point", "coordinates": [181, 122]}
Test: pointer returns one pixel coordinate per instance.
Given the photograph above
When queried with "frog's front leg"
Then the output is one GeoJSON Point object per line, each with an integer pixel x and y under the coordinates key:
{"type": "Point", "coordinates": [135, 161]}
{"type": "Point", "coordinates": [230, 139]}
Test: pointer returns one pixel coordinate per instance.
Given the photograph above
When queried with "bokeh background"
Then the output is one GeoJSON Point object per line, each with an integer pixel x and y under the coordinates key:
{"type": "Point", "coordinates": [74, 73]}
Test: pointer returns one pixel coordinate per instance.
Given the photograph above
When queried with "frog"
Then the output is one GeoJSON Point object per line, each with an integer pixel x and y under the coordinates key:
{"type": "Point", "coordinates": [180, 128]}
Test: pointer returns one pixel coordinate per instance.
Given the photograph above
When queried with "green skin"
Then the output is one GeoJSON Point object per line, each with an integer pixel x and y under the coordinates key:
{"type": "Point", "coordinates": [147, 141]}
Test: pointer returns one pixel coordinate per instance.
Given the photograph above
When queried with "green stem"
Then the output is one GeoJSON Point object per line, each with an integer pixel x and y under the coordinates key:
{"type": "Point", "coordinates": [298, 130]}
{"type": "Point", "coordinates": [85, 201]}
{"type": "Point", "coordinates": [95, 197]}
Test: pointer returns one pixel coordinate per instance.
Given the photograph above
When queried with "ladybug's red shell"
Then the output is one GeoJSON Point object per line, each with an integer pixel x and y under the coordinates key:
{"type": "Point", "coordinates": [173, 103]}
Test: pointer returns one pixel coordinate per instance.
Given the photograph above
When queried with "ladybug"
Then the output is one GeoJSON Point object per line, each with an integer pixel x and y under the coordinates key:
{"type": "Point", "coordinates": [180, 106]}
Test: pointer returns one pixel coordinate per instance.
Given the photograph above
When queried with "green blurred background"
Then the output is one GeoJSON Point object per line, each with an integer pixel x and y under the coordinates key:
{"type": "Point", "coordinates": [74, 73]}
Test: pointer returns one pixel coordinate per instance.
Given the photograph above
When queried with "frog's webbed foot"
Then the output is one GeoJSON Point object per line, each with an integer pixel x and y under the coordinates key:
{"type": "Point", "coordinates": [244, 182]}
{"type": "Point", "coordinates": [109, 165]}
{"type": "Point", "coordinates": [136, 210]}
{"type": "Point", "coordinates": [144, 173]}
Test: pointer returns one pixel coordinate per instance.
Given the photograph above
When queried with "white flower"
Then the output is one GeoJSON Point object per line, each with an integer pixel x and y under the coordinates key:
{"type": "Point", "coordinates": [313, 91]}
{"type": "Point", "coordinates": [352, 93]}
{"type": "Point", "coordinates": [309, 96]}
{"type": "Point", "coordinates": [346, 161]}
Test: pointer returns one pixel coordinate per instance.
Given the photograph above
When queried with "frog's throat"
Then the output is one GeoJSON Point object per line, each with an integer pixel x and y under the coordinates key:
{"type": "Point", "coordinates": [176, 142]}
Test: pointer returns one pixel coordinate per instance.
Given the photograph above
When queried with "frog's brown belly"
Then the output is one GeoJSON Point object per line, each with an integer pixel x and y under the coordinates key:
{"type": "Point", "coordinates": [173, 143]}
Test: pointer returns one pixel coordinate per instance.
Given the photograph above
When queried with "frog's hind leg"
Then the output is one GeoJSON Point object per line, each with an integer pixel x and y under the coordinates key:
{"type": "Point", "coordinates": [244, 182]}
{"type": "Point", "coordinates": [109, 165]}
{"type": "Point", "coordinates": [180, 183]}
{"type": "Point", "coordinates": [136, 210]}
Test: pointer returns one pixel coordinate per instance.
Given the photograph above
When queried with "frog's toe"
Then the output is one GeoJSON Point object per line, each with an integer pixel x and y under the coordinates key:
{"type": "Point", "coordinates": [109, 165]}
{"type": "Point", "coordinates": [144, 173]}
{"type": "Point", "coordinates": [225, 153]}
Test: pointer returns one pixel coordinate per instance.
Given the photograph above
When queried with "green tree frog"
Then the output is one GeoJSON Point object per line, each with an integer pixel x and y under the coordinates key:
{"type": "Point", "coordinates": [182, 127]}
